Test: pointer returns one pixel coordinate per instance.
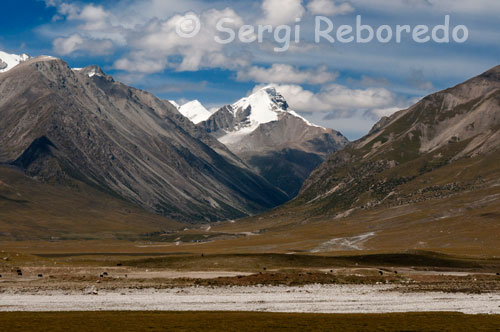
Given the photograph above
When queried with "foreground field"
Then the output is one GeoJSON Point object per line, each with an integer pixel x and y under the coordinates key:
{"type": "Point", "coordinates": [370, 283]}
{"type": "Point", "coordinates": [243, 321]}
{"type": "Point", "coordinates": [411, 271]}
{"type": "Point", "coordinates": [290, 299]}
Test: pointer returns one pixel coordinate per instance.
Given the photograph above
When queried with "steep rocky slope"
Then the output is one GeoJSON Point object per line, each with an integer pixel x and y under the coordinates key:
{"type": "Point", "coordinates": [281, 145]}
{"type": "Point", "coordinates": [59, 125]}
{"type": "Point", "coordinates": [427, 178]}
{"type": "Point", "coordinates": [34, 210]}
{"type": "Point", "coordinates": [401, 161]}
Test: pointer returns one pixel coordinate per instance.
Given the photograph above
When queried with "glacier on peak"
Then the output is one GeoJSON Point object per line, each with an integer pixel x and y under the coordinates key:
{"type": "Point", "coordinates": [9, 61]}
{"type": "Point", "coordinates": [194, 111]}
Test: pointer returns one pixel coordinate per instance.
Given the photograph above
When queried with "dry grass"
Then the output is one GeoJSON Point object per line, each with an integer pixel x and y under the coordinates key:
{"type": "Point", "coordinates": [242, 321]}
{"type": "Point", "coordinates": [32, 210]}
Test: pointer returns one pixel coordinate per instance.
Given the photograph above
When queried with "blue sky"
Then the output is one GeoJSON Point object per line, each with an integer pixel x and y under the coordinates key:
{"type": "Point", "coordinates": [343, 86]}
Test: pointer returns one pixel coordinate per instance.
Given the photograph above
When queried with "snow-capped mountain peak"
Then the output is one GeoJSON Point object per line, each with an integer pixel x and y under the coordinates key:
{"type": "Point", "coordinates": [9, 61]}
{"type": "Point", "coordinates": [195, 111]}
{"type": "Point", "coordinates": [264, 132]}
{"type": "Point", "coordinates": [263, 97]}
{"type": "Point", "coordinates": [264, 106]}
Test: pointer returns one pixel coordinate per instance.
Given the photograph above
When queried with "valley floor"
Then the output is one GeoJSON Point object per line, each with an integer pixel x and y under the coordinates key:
{"type": "Point", "coordinates": [106, 286]}
{"type": "Point", "coordinates": [304, 299]}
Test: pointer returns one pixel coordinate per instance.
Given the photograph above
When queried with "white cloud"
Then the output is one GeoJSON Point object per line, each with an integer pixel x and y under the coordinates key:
{"type": "Point", "coordinates": [282, 73]}
{"type": "Point", "coordinates": [153, 43]}
{"type": "Point", "coordinates": [381, 112]}
{"type": "Point", "coordinates": [158, 40]}
{"type": "Point", "coordinates": [277, 12]}
{"type": "Point", "coordinates": [139, 63]}
{"type": "Point", "coordinates": [94, 17]}
{"type": "Point", "coordinates": [329, 7]}
{"type": "Point", "coordinates": [337, 98]}
{"type": "Point", "coordinates": [68, 45]}
{"type": "Point", "coordinates": [74, 43]}
{"type": "Point", "coordinates": [131, 26]}
{"type": "Point", "coordinates": [353, 127]}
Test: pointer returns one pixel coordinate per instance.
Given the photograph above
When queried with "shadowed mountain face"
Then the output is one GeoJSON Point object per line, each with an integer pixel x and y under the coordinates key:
{"type": "Point", "coordinates": [279, 144]}
{"type": "Point", "coordinates": [440, 147]}
{"type": "Point", "coordinates": [59, 124]}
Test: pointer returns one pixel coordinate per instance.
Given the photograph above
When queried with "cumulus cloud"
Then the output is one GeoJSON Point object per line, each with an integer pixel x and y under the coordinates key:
{"type": "Point", "coordinates": [93, 32]}
{"type": "Point", "coordinates": [139, 63]}
{"type": "Point", "coordinates": [94, 17]}
{"type": "Point", "coordinates": [385, 112]}
{"type": "Point", "coordinates": [329, 7]}
{"type": "Point", "coordinates": [74, 43]}
{"type": "Point", "coordinates": [143, 31]}
{"type": "Point", "coordinates": [158, 40]}
{"type": "Point", "coordinates": [91, 16]}
{"type": "Point", "coordinates": [277, 12]}
{"type": "Point", "coordinates": [153, 44]}
{"type": "Point", "coordinates": [337, 98]}
{"type": "Point", "coordinates": [282, 73]}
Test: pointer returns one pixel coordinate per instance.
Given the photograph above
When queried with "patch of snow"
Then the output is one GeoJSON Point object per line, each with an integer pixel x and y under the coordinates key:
{"type": "Point", "coordinates": [344, 243]}
{"type": "Point", "coordinates": [46, 58]}
{"type": "Point", "coordinates": [195, 111]}
{"type": "Point", "coordinates": [93, 73]}
{"type": "Point", "coordinates": [304, 119]}
{"type": "Point", "coordinates": [237, 136]}
{"type": "Point", "coordinates": [9, 61]}
{"type": "Point", "coordinates": [174, 103]}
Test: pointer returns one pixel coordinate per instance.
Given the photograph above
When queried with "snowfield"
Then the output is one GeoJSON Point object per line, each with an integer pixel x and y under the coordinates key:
{"type": "Point", "coordinates": [9, 61]}
{"type": "Point", "coordinates": [194, 111]}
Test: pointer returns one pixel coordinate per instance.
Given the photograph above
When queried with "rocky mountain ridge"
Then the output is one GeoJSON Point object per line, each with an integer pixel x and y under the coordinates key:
{"type": "Point", "coordinates": [59, 124]}
{"type": "Point", "coordinates": [411, 156]}
{"type": "Point", "coordinates": [279, 143]}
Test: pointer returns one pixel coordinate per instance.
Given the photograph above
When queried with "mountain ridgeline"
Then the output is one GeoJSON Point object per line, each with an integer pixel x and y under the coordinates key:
{"type": "Point", "coordinates": [445, 145]}
{"type": "Point", "coordinates": [61, 125]}
{"type": "Point", "coordinates": [278, 143]}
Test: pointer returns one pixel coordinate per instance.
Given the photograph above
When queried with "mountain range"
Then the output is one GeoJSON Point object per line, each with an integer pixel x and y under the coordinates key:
{"type": "Point", "coordinates": [424, 178]}
{"type": "Point", "coordinates": [278, 143]}
{"type": "Point", "coordinates": [59, 125]}
{"type": "Point", "coordinates": [81, 153]}
{"type": "Point", "coordinates": [389, 165]}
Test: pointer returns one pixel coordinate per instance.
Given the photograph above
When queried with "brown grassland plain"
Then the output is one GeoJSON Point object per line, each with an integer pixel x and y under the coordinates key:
{"type": "Point", "coordinates": [243, 321]}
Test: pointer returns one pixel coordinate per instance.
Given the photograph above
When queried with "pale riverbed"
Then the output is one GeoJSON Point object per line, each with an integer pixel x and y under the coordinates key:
{"type": "Point", "coordinates": [307, 299]}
